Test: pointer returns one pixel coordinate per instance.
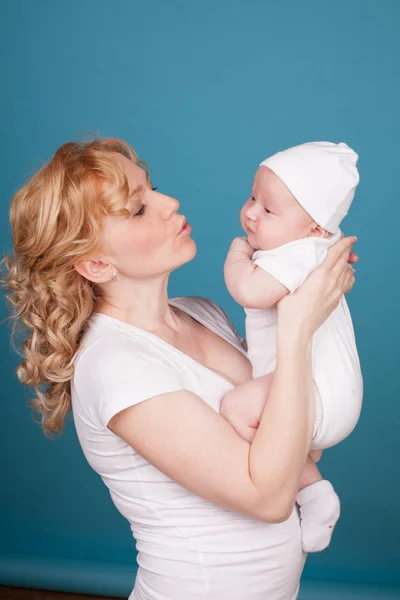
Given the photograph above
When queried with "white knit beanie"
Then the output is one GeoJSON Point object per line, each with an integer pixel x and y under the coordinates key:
{"type": "Point", "coordinates": [322, 176]}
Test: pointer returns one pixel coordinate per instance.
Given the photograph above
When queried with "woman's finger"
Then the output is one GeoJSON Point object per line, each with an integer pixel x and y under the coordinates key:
{"type": "Point", "coordinates": [348, 272]}
{"type": "Point", "coordinates": [336, 251]}
{"type": "Point", "coordinates": [349, 284]}
{"type": "Point", "coordinates": [346, 279]}
{"type": "Point", "coordinates": [353, 258]}
{"type": "Point", "coordinates": [342, 278]}
{"type": "Point", "coordinates": [341, 266]}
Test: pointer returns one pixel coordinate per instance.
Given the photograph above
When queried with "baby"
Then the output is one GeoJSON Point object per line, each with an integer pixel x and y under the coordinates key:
{"type": "Point", "coordinates": [298, 199]}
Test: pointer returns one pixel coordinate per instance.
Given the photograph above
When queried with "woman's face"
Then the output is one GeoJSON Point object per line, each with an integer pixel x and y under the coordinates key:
{"type": "Point", "coordinates": [154, 240]}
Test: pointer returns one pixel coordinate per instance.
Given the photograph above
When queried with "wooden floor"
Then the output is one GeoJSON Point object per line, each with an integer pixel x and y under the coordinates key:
{"type": "Point", "coordinates": [13, 593]}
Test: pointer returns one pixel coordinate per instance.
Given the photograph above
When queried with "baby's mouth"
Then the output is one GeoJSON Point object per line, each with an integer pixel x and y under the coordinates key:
{"type": "Point", "coordinates": [248, 230]}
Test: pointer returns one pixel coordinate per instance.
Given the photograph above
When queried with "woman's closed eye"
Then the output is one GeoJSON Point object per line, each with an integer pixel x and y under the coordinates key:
{"type": "Point", "coordinates": [140, 212]}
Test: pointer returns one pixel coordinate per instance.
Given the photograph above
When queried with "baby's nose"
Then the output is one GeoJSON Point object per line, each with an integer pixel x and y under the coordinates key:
{"type": "Point", "coordinates": [252, 212]}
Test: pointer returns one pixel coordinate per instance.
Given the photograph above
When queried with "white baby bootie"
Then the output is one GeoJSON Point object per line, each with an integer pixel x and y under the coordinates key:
{"type": "Point", "coordinates": [319, 511]}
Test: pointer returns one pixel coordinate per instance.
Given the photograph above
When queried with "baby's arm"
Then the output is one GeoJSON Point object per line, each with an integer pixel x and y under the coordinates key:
{"type": "Point", "coordinates": [249, 285]}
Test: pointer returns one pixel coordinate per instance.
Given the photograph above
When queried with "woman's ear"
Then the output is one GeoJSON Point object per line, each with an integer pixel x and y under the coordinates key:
{"type": "Point", "coordinates": [316, 231]}
{"type": "Point", "coordinates": [94, 270]}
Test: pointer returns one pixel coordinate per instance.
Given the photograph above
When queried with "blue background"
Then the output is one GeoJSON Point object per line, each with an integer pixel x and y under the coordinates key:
{"type": "Point", "coordinates": [204, 91]}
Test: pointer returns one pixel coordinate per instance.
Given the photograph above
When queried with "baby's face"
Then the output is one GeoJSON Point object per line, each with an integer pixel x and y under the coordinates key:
{"type": "Point", "coordinates": [272, 216]}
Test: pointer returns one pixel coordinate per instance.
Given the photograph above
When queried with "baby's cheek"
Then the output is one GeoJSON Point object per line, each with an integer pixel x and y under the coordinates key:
{"type": "Point", "coordinates": [243, 215]}
{"type": "Point", "coordinates": [265, 236]}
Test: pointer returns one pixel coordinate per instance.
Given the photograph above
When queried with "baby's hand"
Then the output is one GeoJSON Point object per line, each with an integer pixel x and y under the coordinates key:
{"type": "Point", "coordinates": [238, 269]}
{"type": "Point", "coordinates": [242, 244]}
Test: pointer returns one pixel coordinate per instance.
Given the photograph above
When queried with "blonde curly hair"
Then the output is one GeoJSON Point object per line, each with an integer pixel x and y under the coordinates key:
{"type": "Point", "coordinates": [56, 219]}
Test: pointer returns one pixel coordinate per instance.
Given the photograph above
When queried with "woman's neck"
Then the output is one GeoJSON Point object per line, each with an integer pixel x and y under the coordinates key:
{"type": "Point", "coordinates": [143, 304]}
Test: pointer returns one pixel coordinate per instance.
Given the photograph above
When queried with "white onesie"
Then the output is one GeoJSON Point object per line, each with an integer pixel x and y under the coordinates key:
{"type": "Point", "coordinates": [336, 366]}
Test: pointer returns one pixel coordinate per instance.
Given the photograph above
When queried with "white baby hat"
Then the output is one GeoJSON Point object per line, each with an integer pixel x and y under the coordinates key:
{"type": "Point", "coordinates": [322, 176]}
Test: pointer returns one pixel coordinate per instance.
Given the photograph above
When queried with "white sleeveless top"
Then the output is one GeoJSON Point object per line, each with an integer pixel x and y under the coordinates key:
{"type": "Point", "coordinates": [188, 548]}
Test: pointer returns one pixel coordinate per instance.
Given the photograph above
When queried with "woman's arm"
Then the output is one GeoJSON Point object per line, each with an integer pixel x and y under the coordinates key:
{"type": "Point", "coordinates": [193, 445]}
{"type": "Point", "coordinates": [243, 407]}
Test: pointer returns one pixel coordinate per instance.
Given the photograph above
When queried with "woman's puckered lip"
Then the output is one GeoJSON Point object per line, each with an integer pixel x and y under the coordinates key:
{"type": "Point", "coordinates": [182, 225]}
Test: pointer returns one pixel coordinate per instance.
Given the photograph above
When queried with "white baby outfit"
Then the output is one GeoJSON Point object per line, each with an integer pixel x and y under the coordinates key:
{"type": "Point", "coordinates": [323, 177]}
{"type": "Point", "coordinates": [335, 362]}
{"type": "Point", "coordinates": [188, 548]}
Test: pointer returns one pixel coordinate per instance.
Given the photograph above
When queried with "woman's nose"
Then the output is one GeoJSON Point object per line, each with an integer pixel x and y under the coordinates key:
{"type": "Point", "coordinates": [170, 207]}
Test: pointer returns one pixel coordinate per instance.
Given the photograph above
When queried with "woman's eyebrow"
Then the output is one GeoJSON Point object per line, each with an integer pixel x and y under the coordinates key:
{"type": "Point", "coordinates": [137, 190]}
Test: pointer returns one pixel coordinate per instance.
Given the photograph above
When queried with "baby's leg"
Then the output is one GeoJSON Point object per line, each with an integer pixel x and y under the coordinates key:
{"type": "Point", "coordinates": [337, 379]}
{"type": "Point", "coordinates": [319, 505]}
{"type": "Point", "coordinates": [319, 508]}
{"type": "Point", "coordinates": [243, 406]}
{"type": "Point", "coordinates": [310, 475]}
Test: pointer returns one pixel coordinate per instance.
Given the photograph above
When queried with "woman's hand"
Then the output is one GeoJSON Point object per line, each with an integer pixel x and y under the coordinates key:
{"type": "Point", "coordinates": [321, 292]}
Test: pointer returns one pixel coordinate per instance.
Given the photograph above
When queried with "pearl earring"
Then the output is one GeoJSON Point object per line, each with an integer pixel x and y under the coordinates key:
{"type": "Point", "coordinates": [113, 276]}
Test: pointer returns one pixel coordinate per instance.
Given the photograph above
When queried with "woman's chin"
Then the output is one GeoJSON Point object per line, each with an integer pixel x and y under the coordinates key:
{"type": "Point", "coordinates": [193, 250]}
{"type": "Point", "coordinates": [188, 252]}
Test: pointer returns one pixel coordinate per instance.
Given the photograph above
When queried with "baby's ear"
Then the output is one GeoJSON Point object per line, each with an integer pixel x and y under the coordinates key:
{"type": "Point", "coordinates": [316, 230]}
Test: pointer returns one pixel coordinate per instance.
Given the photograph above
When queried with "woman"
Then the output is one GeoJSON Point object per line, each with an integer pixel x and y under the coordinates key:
{"type": "Point", "coordinates": [212, 514]}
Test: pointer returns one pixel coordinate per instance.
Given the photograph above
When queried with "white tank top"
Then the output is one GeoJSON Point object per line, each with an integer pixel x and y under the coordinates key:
{"type": "Point", "coordinates": [188, 548]}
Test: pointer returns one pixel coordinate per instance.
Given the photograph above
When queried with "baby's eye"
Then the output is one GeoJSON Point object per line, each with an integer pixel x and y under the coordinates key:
{"type": "Point", "coordinates": [253, 199]}
{"type": "Point", "coordinates": [267, 211]}
{"type": "Point", "coordinates": [154, 188]}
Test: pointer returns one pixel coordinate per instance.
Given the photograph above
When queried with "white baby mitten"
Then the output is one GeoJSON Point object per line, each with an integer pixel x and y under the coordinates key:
{"type": "Point", "coordinates": [319, 511]}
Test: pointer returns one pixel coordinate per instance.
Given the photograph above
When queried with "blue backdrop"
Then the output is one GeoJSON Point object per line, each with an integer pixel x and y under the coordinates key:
{"type": "Point", "coordinates": [204, 91]}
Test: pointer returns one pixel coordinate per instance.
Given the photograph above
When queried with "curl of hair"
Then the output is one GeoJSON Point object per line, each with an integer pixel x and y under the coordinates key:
{"type": "Point", "coordinates": [57, 219]}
